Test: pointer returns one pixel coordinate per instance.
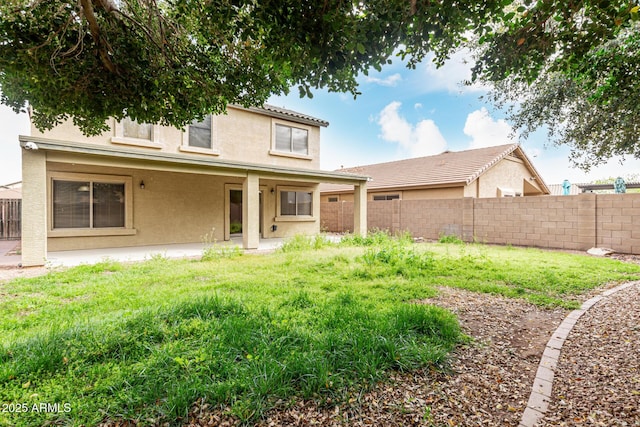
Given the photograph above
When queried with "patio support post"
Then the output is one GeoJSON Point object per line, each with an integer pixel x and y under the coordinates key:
{"type": "Point", "coordinates": [251, 211]}
{"type": "Point", "coordinates": [360, 209]}
{"type": "Point", "coordinates": [34, 208]}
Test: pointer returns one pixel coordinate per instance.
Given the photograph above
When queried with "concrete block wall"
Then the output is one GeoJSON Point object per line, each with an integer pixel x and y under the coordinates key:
{"type": "Point", "coordinates": [337, 217]}
{"type": "Point", "coordinates": [432, 218]}
{"type": "Point", "coordinates": [557, 222]}
{"type": "Point", "coordinates": [380, 215]}
{"type": "Point", "coordinates": [618, 222]}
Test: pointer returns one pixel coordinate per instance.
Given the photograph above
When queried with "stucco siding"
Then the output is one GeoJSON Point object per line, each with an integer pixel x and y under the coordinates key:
{"type": "Point", "coordinates": [179, 207]}
{"type": "Point", "coordinates": [239, 135]}
{"type": "Point", "coordinates": [433, 193]}
{"type": "Point", "coordinates": [508, 174]}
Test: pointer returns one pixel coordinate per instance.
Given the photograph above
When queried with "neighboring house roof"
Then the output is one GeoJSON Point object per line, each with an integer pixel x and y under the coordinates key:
{"type": "Point", "coordinates": [17, 184]}
{"type": "Point", "coordinates": [11, 191]}
{"type": "Point", "coordinates": [448, 169]}
{"type": "Point", "coordinates": [590, 187]}
{"type": "Point", "coordinates": [556, 189]}
{"type": "Point", "coordinates": [283, 113]}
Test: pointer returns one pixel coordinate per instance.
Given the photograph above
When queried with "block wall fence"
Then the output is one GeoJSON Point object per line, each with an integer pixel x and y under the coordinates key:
{"type": "Point", "coordinates": [560, 222]}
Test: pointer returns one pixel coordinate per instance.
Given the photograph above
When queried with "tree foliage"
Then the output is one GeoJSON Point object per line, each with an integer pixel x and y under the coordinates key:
{"type": "Point", "coordinates": [570, 63]}
{"type": "Point", "coordinates": [172, 61]}
{"type": "Point", "coordinates": [572, 68]}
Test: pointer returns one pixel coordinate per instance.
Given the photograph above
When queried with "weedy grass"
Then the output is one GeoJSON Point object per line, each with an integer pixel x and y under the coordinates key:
{"type": "Point", "coordinates": [315, 319]}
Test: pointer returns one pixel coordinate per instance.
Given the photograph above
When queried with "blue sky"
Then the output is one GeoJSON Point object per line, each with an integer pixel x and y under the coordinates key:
{"type": "Point", "coordinates": [401, 113]}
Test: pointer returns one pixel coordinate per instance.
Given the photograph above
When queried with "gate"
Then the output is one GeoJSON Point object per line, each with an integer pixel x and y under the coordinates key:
{"type": "Point", "coordinates": [10, 215]}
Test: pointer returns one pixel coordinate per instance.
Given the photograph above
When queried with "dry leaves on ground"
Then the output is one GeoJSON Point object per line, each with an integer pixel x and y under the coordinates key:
{"type": "Point", "coordinates": [597, 382]}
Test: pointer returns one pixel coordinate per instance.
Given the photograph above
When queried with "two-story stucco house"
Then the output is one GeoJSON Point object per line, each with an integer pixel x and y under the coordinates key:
{"type": "Point", "coordinates": [252, 172]}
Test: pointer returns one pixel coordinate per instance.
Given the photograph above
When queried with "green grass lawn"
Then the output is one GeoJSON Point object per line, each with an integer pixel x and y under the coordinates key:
{"type": "Point", "coordinates": [144, 341]}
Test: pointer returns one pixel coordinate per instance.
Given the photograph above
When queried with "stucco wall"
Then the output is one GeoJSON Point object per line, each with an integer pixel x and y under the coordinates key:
{"type": "Point", "coordinates": [433, 193]}
{"type": "Point", "coordinates": [179, 207]}
{"type": "Point", "coordinates": [172, 208]}
{"type": "Point", "coordinates": [417, 194]}
{"type": "Point", "coordinates": [561, 222]}
{"type": "Point", "coordinates": [509, 173]}
{"type": "Point", "coordinates": [239, 135]}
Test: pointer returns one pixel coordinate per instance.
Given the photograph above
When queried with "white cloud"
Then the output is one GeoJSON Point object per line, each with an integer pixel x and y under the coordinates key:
{"type": "Point", "coordinates": [450, 76]}
{"type": "Point", "coordinates": [485, 131]}
{"type": "Point", "coordinates": [422, 139]}
{"type": "Point", "coordinates": [391, 80]}
{"type": "Point", "coordinates": [417, 105]}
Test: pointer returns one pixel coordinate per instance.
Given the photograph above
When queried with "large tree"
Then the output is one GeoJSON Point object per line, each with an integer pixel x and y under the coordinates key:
{"type": "Point", "coordinates": [573, 70]}
{"type": "Point", "coordinates": [172, 61]}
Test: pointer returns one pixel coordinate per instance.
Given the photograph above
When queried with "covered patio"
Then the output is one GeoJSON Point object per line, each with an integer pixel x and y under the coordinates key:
{"type": "Point", "coordinates": [158, 201]}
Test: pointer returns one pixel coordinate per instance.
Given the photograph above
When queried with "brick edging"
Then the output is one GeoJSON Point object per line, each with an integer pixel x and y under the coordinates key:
{"type": "Point", "coordinates": [543, 382]}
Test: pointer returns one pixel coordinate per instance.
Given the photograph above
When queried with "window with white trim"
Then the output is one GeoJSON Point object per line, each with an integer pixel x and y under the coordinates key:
{"type": "Point", "coordinates": [290, 139]}
{"type": "Point", "coordinates": [88, 204]}
{"type": "Point", "coordinates": [200, 134]}
{"type": "Point", "coordinates": [133, 129]}
{"type": "Point", "coordinates": [296, 203]}
{"type": "Point", "coordinates": [130, 132]}
{"type": "Point", "coordinates": [200, 137]}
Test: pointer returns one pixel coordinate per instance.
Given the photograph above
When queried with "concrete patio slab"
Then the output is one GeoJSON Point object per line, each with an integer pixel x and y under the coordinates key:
{"type": "Point", "coordinates": [141, 253]}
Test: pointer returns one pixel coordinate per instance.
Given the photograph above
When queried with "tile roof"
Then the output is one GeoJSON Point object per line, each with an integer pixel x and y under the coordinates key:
{"type": "Point", "coordinates": [10, 193]}
{"type": "Point", "coordinates": [557, 189]}
{"type": "Point", "coordinates": [283, 113]}
{"type": "Point", "coordinates": [445, 169]}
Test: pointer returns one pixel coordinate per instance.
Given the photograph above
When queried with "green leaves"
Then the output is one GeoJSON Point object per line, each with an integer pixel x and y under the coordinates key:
{"type": "Point", "coordinates": [571, 68]}
{"type": "Point", "coordinates": [176, 61]}
{"type": "Point", "coordinates": [173, 62]}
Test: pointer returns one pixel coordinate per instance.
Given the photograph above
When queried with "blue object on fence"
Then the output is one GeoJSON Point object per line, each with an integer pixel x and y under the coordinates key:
{"type": "Point", "coordinates": [566, 187]}
{"type": "Point", "coordinates": [619, 186]}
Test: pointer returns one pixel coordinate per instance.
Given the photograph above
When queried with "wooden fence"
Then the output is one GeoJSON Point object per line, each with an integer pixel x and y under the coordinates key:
{"type": "Point", "coordinates": [10, 214]}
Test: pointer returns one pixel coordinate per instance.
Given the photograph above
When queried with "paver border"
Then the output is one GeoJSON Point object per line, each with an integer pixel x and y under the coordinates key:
{"type": "Point", "coordinates": [543, 383]}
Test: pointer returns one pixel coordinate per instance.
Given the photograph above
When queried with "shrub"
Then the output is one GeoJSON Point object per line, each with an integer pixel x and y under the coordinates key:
{"type": "Point", "coordinates": [301, 242]}
{"type": "Point", "coordinates": [450, 238]}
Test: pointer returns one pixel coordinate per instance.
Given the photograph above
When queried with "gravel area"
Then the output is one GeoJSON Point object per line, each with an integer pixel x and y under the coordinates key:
{"type": "Point", "coordinates": [597, 382]}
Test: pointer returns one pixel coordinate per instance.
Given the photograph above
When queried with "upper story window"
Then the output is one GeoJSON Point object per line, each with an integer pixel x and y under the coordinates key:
{"type": "Point", "coordinates": [292, 140]}
{"type": "Point", "coordinates": [133, 129]}
{"type": "Point", "coordinates": [200, 134]}
{"type": "Point", "coordinates": [199, 137]}
{"type": "Point", "coordinates": [131, 132]}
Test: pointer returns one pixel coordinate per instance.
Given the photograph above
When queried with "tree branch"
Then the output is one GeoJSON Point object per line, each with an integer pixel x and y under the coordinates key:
{"type": "Point", "coordinates": [101, 43]}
